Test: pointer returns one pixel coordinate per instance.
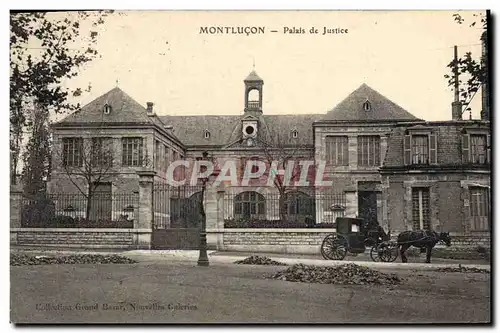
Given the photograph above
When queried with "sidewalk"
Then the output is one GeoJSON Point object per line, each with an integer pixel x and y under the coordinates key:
{"type": "Point", "coordinates": [219, 257]}
{"type": "Point", "coordinates": [226, 258]}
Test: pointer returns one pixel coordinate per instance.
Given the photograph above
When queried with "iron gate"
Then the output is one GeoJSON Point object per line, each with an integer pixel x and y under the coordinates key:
{"type": "Point", "coordinates": [177, 218]}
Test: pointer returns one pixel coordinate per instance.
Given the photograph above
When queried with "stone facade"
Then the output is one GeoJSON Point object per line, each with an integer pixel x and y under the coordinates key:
{"type": "Point", "coordinates": [448, 179]}
{"type": "Point", "coordinates": [381, 190]}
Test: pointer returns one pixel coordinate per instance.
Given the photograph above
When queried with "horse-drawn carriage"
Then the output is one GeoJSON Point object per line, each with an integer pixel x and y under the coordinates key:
{"type": "Point", "coordinates": [354, 235]}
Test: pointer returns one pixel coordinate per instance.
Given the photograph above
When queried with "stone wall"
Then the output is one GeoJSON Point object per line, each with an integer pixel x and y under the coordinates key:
{"type": "Point", "coordinates": [297, 241]}
{"type": "Point", "coordinates": [303, 241]}
{"type": "Point", "coordinates": [458, 240]}
{"type": "Point", "coordinates": [79, 238]}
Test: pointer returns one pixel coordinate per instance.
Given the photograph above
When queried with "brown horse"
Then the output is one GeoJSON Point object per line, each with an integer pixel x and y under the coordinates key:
{"type": "Point", "coordinates": [423, 239]}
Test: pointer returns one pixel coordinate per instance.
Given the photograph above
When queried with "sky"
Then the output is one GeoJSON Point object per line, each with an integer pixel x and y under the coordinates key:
{"type": "Point", "coordinates": [160, 56]}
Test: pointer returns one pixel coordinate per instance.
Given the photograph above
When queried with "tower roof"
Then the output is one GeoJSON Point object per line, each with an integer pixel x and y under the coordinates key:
{"type": "Point", "coordinates": [252, 77]}
{"type": "Point", "coordinates": [380, 107]}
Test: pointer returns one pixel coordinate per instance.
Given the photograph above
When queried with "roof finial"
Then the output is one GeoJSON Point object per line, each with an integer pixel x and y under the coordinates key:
{"type": "Point", "coordinates": [117, 82]}
{"type": "Point", "coordinates": [253, 63]}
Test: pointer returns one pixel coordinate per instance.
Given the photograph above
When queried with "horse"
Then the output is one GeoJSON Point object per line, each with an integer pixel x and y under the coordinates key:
{"type": "Point", "coordinates": [423, 239]}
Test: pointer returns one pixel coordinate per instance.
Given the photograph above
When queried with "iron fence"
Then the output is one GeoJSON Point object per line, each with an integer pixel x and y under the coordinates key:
{"type": "Point", "coordinates": [176, 206]}
{"type": "Point", "coordinates": [62, 210]}
{"type": "Point", "coordinates": [292, 210]}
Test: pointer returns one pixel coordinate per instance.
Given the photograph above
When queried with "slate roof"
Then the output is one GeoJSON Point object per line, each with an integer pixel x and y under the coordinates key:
{"type": "Point", "coordinates": [190, 130]}
{"type": "Point", "coordinates": [225, 130]}
{"type": "Point", "coordinates": [253, 77]}
{"type": "Point", "coordinates": [351, 108]}
{"type": "Point", "coordinates": [123, 109]}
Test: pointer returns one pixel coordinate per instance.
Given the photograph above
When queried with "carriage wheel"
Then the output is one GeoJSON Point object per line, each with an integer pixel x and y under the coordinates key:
{"type": "Point", "coordinates": [385, 252]}
{"type": "Point", "coordinates": [334, 247]}
{"type": "Point", "coordinates": [374, 253]}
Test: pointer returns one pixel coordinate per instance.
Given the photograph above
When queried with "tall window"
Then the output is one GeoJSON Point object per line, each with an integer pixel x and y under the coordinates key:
{"type": "Point", "coordinates": [337, 152]}
{"type": "Point", "coordinates": [72, 151]}
{"type": "Point", "coordinates": [479, 207]}
{"type": "Point", "coordinates": [158, 160]}
{"type": "Point", "coordinates": [420, 149]}
{"type": "Point", "coordinates": [101, 151]}
{"type": "Point", "coordinates": [478, 149]}
{"type": "Point", "coordinates": [420, 208]}
{"type": "Point", "coordinates": [249, 205]}
{"type": "Point", "coordinates": [369, 150]}
{"type": "Point", "coordinates": [132, 151]}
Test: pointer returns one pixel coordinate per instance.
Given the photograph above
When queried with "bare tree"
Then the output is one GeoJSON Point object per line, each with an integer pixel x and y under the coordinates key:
{"type": "Point", "coordinates": [91, 159]}
{"type": "Point", "coordinates": [278, 151]}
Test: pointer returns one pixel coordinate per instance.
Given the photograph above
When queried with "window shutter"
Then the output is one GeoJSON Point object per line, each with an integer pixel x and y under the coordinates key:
{"type": "Point", "coordinates": [488, 148]}
{"type": "Point", "coordinates": [433, 149]}
{"type": "Point", "coordinates": [407, 149]}
{"type": "Point", "coordinates": [465, 148]}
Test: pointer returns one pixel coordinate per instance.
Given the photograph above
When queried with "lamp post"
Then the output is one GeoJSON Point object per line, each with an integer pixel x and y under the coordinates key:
{"type": "Point", "coordinates": [203, 258]}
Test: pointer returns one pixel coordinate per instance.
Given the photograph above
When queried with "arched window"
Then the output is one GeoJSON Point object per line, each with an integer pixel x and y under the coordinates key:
{"type": "Point", "coordinates": [367, 106]}
{"type": "Point", "coordinates": [253, 98]}
{"type": "Point", "coordinates": [295, 133]}
{"type": "Point", "coordinates": [107, 108]}
{"type": "Point", "coordinates": [253, 95]}
{"type": "Point", "coordinates": [249, 205]}
{"type": "Point", "coordinates": [298, 205]}
{"type": "Point", "coordinates": [207, 134]}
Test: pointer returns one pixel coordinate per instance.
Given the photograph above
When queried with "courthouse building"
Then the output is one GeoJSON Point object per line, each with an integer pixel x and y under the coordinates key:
{"type": "Point", "coordinates": [385, 165]}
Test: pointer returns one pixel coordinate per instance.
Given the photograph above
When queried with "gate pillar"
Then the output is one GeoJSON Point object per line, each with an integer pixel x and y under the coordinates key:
{"type": "Point", "coordinates": [144, 224]}
{"type": "Point", "coordinates": [15, 206]}
{"type": "Point", "coordinates": [211, 211]}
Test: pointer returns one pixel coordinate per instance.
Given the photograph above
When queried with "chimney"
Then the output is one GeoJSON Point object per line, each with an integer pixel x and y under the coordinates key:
{"type": "Point", "coordinates": [149, 108]}
{"type": "Point", "coordinates": [456, 106]}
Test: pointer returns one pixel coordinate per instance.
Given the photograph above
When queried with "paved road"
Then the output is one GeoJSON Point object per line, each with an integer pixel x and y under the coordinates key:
{"type": "Point", "coordinates": [228, 293]}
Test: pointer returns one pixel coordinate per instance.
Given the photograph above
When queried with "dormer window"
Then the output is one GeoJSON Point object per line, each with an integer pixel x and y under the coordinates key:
{"type": "Point", "coordinates": [295, 134]}
{"type": "Point", "coordinates": [207, 134]}
{"type": "Point", "coordinates": [107, 108]}
{"type": "Point", "coordinates": [367, 106]}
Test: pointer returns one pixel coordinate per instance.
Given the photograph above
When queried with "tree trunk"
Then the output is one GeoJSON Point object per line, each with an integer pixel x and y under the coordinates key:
{"type": "Point", "coordinates": [282, 208]}
{"type": "Point", "coordinates": [89, 203]}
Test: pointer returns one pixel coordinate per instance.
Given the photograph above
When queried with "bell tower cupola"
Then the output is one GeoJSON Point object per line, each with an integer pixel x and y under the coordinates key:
{"type": "Point", "coordinates": [253, 93]}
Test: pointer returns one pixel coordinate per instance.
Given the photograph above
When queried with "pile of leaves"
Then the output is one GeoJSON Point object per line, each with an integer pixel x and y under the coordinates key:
{"type": "Point", "coordinates": [462, 269]}
{"type": "Point", "coordinates": [258, 260]}
{"type": "Point", "coordinates": [24, 259]}
{"type": "Point", "coordinates": [343, 274]}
